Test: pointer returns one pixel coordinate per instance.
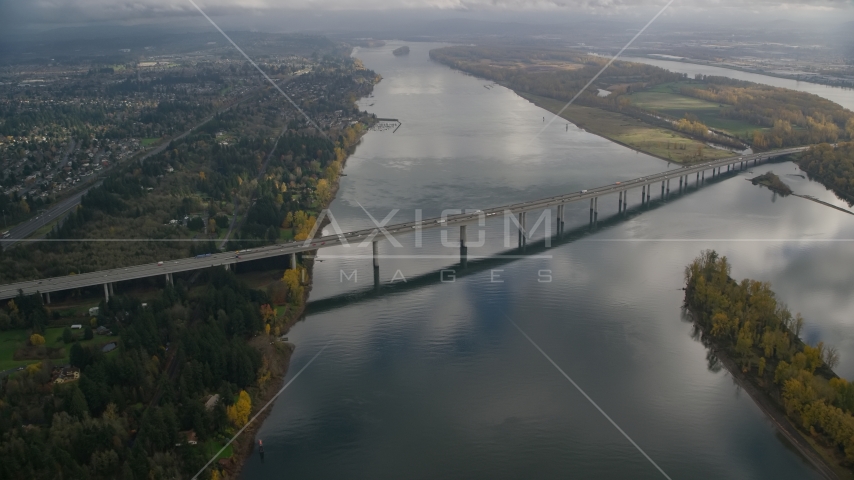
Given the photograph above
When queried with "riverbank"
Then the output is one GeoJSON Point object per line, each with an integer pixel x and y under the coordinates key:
{"type": "Point", "coordinates": [278, 364]}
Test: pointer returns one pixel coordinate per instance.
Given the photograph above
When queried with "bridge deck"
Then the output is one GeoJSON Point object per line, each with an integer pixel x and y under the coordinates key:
{"type": "Point", "coordinates": [174, 266]}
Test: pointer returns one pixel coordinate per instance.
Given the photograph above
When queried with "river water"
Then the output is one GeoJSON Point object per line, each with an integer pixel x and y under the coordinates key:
{"type": "Point", "coordinates": [430, 379]}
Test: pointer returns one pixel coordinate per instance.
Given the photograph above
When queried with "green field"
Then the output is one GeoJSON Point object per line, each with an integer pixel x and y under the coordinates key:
{"type": "Point", "coordinates": [660, 142]}
{"type": "Point", "coordinates": [213, 446]}
{"type": "Point", "coordinates": [146, 142]}
{"type": "Point", "coordinates": [666, 99]}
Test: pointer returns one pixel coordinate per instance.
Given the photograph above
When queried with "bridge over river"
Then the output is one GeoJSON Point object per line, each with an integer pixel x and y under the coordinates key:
{"type": "Point", "coordinates": [680, 178]}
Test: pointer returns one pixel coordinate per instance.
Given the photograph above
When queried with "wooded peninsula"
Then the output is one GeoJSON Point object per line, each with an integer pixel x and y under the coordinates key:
{"type": "Point", "coordinates": [758, 339]}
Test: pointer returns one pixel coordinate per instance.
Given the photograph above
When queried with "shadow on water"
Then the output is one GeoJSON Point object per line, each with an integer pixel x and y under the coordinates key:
{"type": "Point", "coordinates": [473, 266]}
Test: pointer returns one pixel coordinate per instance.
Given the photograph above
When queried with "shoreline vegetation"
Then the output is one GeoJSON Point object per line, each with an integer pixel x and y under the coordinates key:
{"type": "Point", "coordinates": [757, 338]}
{"type": "Point", "coordinates": [655, 111]}
{"type": "Point", "coordinates": [245, 445]}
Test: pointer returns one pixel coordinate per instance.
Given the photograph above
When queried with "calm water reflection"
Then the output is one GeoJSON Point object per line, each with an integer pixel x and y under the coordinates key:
{"type": "Point", "coordinates": [432, 381]}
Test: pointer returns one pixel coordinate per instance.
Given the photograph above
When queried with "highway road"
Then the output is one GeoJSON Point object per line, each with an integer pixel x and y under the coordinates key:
{"type": "Point", "coordinates": [365, 235]}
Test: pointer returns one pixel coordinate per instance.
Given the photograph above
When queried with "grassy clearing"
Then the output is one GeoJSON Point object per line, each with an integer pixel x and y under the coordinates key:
{"type": "Point", "coordinates": [12, 340]}
{"type": "Point", "coordinates": [213, 446]}
{"type": "Point", "coordinates": [666, 99]}
{"type": "Point", "coordinates": [147, 142]}
{"type": "Point", "coordinates": [635, 134]}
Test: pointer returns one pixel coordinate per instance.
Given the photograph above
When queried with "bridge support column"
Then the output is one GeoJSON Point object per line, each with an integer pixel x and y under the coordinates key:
{"type": "Point", "coordinates": [112, 292]}
{"type": "Point", "coordinates": [662, 189]}
{"type": "Point", "coordinates": [463, 248]}
{"type": "Point", "coordinates": [591, 210]}
{"type": "Point", "coordinates": [375, 248]}
{"type": "Point", "coordinates": [560, 218]}
{"type": "Point", "coordinates": [643, 194]}
{"type": "Point", "coordinates": [595, 210]}
{"type": "Point", "coordinates": [169, 279]}
{"type": "Point", "coordinates": [648, 192]}
{"type": "Point", "coordinates": [680, 183]}
{"type": "Point", "coordinates": [668, 188]}
{"type": "Point", "coordinates": [47, 298]}
{"type": "Point", "coordinates": [293, 261]}
{"type": "Point", "coordinates": [703, 176]}
{"type": "Point", "coordinates": [106, 293]}
{"type": "Point", "coordinates": [620, 203]}
{"type": "Point", "coordinates": [523, 231]}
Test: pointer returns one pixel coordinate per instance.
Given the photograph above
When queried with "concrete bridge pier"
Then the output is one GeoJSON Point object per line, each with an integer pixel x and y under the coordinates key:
{"type": "Point", "coordinates": [107, 293]}
{"type": "Point", "coordinates": [463, 248]}
{"type": "Point", "coordinates": [591, 210]}
{"type": "Point", "coordinates": [524, 230]}
{"type": "Point", "coordinates": [668, 188]}
{"type": "Point", "coordinates": [375, 248]}
{"type": "Point", "coordinates": [680, 183]}
{"type": "Point", "coordinates": [112, 292]}
{"type": "Point", "coordinates": [620, 203]}
{"type": "Point", "coordinates": [47, 298]}
{"type": "Point", "coordinates": [662, 189]}
{"type": "Point", "coordinates": [643, 194]}
{"type": "Point", "coordinates": [293, 261]}
{"type": "Point", "coordinates": [168, 280]}
{"type": "Point", "coordinates": [648, 192]}
{"type": "Point", "coordinates": [703, 176]}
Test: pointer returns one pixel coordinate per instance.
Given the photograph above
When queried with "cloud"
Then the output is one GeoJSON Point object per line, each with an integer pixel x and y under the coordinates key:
{"type": "Point", "coordinates": [65, 11]}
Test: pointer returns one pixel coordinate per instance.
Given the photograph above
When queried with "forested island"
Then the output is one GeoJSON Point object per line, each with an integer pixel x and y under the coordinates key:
{"type": "Point", "coordinates": [655, 111]}
{"type": "Point", "coordinates": [757, 338]}
{"type": "Point", "coordinates": [773, 182]}
{"type": "Point", "coordinates": [404, 50]}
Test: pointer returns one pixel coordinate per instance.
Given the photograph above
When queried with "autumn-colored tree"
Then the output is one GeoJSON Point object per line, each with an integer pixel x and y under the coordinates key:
{"type": "Point", "coordinates": [36, 339]}
{"type": "Point", "coordinates": [295, 289]}
{"type": "Point", "coordinates": [238, 414]}
{"type": "Point", "coordinates": [24, 206]}
{"type": "Point", "coordinates": [268, 314]}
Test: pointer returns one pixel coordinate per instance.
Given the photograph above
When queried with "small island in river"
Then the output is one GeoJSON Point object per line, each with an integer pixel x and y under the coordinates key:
{"type": "Point", "coordinates": [404, 50]}
{"type": "Point", "coordinates": [773, 183]}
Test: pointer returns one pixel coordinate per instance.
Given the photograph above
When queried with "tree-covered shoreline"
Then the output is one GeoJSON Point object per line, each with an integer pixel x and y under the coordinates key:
{"type": "Point", "coordinates": [745, 322]}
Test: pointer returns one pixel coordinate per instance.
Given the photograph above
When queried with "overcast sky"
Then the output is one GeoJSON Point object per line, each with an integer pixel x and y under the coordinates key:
{"type": "Point", "coordinates": [22, 13]}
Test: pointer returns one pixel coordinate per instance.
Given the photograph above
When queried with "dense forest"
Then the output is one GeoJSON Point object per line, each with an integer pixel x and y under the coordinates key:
{"type": "Point", "coordinates": [747, 323]}
{"type": "Point", "coordinates": [833, 166]}
{"type": "Point", "coordinates": [131, 411]}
